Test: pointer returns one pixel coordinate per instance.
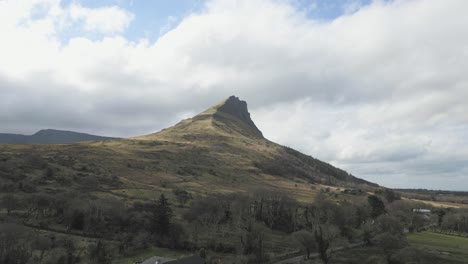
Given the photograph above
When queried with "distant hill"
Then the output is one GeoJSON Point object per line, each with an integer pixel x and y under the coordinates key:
{"type": "Point", "coordinates": [50, 136]}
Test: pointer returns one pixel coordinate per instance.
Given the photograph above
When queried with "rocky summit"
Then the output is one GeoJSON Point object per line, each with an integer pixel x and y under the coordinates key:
{"type": "Point", "coordinates": [237, 109]}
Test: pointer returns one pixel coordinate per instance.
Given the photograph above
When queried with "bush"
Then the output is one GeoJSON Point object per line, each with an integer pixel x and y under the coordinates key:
{"type": "Point", "coordinates": [77, 220]}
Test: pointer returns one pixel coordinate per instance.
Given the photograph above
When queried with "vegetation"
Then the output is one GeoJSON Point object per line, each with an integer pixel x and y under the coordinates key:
{"type": "Point", "coordinates": [254, 226]}
{"type": "Point", "coordinates": [451, 248]}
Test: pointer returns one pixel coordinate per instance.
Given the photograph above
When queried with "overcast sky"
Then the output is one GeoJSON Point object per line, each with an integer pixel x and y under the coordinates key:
{"type": "Point", "coordinates": [378, 88]}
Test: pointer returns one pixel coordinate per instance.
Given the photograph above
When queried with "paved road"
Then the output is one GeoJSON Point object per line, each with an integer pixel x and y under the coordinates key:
{"type": "Point", "coordinates": [298, 259]}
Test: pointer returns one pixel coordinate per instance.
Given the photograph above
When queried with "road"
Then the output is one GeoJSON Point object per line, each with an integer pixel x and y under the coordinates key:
{"type": "Point", "coordinates": [298, 259]}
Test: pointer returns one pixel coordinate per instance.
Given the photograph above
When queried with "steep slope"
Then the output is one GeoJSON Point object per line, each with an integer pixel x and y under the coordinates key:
{"type": "Point", "coordinates": [50, 136]}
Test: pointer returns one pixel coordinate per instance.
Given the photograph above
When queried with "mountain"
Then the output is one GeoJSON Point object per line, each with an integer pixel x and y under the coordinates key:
{"type": "Point", "coordinates": [226, 129]}
{"type": "Point", "coordinates": [228, 119]}
{"type": "Point", "coordinates": [219, 150]}
{"type": "Point", "coordinates": [49, 136]}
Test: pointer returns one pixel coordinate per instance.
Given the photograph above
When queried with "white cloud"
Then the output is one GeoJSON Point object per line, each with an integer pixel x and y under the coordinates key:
{"type": "Point", "coordinates": [102, 20]}
{"type": "Point", "coordinates": [379, 91]}
{"type": "Point", "coordinates": [171, 22]}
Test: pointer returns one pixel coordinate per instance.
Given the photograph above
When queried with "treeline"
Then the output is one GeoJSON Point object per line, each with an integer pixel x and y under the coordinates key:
{"type": "Point", "coordinates": [244, 224]}
{"type": "Point", "coordinates": [20, 244]}
{"type": "Point", "coordinates": [123, 228]}
{"type": "Point", "coordinates": [453, 221]}
{"type": "Point", "coordinates": [256, 227]}
{"type": "Point", "coordinates": [436, 192]}
{"type": "Point", "coordinates": [436, 195]}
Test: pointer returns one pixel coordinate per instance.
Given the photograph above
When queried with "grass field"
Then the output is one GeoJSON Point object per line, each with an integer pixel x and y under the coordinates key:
{"type": "Point", "coordinates": [450, 247]}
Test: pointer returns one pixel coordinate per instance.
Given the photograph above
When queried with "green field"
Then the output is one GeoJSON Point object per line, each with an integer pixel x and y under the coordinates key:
{"type": "Point", "coordinates": [450, 247]}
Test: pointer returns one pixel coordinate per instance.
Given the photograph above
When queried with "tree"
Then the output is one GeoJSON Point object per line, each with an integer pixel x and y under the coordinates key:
{"type": "Point", "coordinates": [41, 244]}
{"type": "Point", "coordinates": [385, 223]}
{"type": "Point", "coordinates": [211, 211]}
{"type": "Point", "coordinates": [440, 216]}
{"type": "Point", "coordinates": [10, 203]}
{"type": "Point", "coordinates": [98, 253]}
{"type": "Point", "coordinates": [176, 236]}
{"type": "Point", "coordinates": [324, 235]}
{"type": "Point", "coordinates": [390, 243]}
{"type": "Point", "coordinates": [162, 216]}
{"type": "Point", "coordinates": [363, 212]}
{"type": "Point", "coordinates": [252, 238]}
{"type": "Point", "coordinates": [368, 232]}
{"type": "Point", "coordinates": [306, 240]}
{"type": "Point", "coordinates": [72, 255]}
{"type": "Point", "coordinates": [182, 196]}
{"type": "Point", "coordinates": [417, 223]}
{"type": "Point", "coordinates": [378, 207]}
{"type": "Point", "coordinates": [202, 253]}
{"type": "Point", "coordinates": [77, 220]}
{"type": "Point", "coordinates": [276, 209]}
{"type": "Point", "coordinates": [391, 195]}
{"type": "Point", "coordinates": [389, 223]}
{"type": "Point", "coordinates": [14, 246]}
{"type": "Point", "coordinates": [324, 216]}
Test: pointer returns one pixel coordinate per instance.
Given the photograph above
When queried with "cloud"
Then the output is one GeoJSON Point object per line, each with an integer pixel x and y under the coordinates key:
{"type": "Point", "coordinates": [171, 22]}
{"type": "Point", "coordinates": [102, 20]}
{"type": "Point", "coordinates": [379, 91]}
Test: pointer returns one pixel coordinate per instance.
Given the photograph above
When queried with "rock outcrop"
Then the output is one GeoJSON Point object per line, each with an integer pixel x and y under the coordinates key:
{"type": "Point", "coordinates": [238, 109]}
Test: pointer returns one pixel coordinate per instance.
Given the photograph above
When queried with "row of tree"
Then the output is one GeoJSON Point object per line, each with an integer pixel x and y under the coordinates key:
{"type": "Point", "coordinates": [233, 223]}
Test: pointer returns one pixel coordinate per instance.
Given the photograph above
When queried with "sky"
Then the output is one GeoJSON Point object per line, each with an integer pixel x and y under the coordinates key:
{"type": "Point", "coordinates": [378, 88]}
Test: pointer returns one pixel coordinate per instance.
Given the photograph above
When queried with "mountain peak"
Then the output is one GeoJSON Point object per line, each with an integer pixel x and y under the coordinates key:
{"type": "Point", "coordinates": [235, 108]}
{"type": "Point", "coordinates": [229, 117]}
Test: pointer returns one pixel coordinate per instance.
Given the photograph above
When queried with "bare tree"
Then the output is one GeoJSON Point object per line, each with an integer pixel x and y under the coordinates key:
{"type": "Point", "coordinates": [325, 231]}
{"type": "Point", "coordinates": [325, 234]}
{"type": "Point", "coordinates": [14, 244]}
{"type": "Point", "coordinates": [306, 240]}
